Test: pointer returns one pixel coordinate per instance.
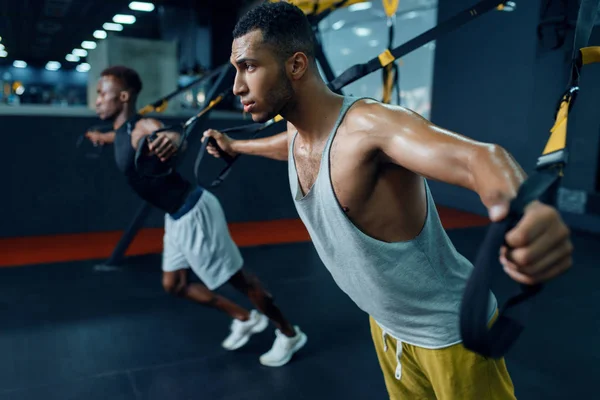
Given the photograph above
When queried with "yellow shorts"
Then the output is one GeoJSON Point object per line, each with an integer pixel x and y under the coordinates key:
{"type": "Point", "coordinates": [450, 373]}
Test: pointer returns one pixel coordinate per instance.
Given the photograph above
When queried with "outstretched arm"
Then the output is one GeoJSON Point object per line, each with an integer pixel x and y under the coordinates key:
{"type": "Point", "coordinates": [274, 147]}
{"type": "Point", "coordinates": [99, 138]}
{"type": "Point", "coordinates": [405, 138]}
{"type": "Point", "coordinates": [540, 246]}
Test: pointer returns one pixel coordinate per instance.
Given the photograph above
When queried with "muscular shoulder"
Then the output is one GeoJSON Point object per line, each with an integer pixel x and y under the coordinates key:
{"type": "Point", "coordinates": [370, 117]}
{"type": "Point", "coordinates": [367, 122]}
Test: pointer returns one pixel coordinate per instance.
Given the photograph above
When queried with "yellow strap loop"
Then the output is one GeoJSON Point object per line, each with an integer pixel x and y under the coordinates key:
{"type": "Point", "coordinates": [315, 7]}
{"type": "Point", "coordinates": [386, 58]}
{"type": "Point", "coordinates": [390, 7]}
{"type": "Point", "coordinates": [388, 84]}
{"type": "Point", "coordinates": [558, 137]}
{"type": "Point", "coordinates": [590, 55]}
{"type": "Point", "coordinates": [150, 108]}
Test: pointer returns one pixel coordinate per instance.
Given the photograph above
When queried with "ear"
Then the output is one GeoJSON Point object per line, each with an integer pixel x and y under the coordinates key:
{"type": "Point", "coordinates": [124, 96]}
{"type": "Point", "coordinates": [297, 65]}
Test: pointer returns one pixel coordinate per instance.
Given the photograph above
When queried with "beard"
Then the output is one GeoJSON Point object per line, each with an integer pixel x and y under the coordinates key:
{"type": "Point", "coordinates": [279, 99]}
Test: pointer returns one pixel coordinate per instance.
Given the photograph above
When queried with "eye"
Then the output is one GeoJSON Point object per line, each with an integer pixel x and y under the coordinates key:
{"type": "Point", "coordinates": [249, 67]}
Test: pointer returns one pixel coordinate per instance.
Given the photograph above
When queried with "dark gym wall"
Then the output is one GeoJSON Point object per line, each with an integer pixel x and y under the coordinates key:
{"type": "Point", "coordinates": [495, 83]}
{"type": "Point", "coordinates": [52, 188]}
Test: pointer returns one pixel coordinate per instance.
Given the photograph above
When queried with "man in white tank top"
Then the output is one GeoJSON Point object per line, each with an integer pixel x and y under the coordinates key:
{"type": "Point", "coordinates": [357, 175]}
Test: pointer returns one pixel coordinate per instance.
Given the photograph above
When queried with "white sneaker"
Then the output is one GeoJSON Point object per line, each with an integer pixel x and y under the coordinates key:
{"type": "Point", "coordinates": [283, 348]}
{"type": "Point", "coordinates": [242, 330]}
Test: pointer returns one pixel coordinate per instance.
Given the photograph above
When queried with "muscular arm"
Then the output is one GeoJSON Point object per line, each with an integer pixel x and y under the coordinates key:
{"type": "Point", "coordinates": [404, 138]}
{"type": "Point", "coordinates": [101, 138]}
{"type": "Point", "coordinates": [108, 137]}
{"type": "Point", "coordinates": [274, 147]}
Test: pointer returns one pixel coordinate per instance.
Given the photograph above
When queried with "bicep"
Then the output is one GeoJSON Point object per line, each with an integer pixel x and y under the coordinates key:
{"type": "Point", "coordinates": [408, 140]}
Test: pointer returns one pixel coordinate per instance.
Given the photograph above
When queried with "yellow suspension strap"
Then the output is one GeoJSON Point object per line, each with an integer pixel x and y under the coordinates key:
{"type": "Point", "coordinates": [318, 7]}
{"type": "Point", "coordinates": [358, 71]}
{"type": "Point", "coordinates": [149, 165]}
{"type": "Point", "coordinates": [162, 104]}
{"type": "Point", "coordinates": [384, 59]}
{"type": "Point", "coordinates": [390, 71]}
{"type": "Point", "coordinates": [542, 185]}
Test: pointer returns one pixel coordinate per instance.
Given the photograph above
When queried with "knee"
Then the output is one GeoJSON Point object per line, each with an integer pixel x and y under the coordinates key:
{"type": "Point", "coordinates": [173, 284]}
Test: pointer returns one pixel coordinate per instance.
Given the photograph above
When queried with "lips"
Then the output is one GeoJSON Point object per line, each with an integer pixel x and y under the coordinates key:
{"type": "Point", "coordinates": [248, 106]}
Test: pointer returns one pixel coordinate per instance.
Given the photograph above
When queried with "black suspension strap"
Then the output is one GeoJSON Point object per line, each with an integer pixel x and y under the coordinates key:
{"type": "Point", "coordinates": [359, 71]}
{"type": "Point", "coordinates": [391, 73]}
{"type": "Point", "coordinates": [148, 164]}
{"type": "Point", "coordinates": [250, 129]}
{"type": "Point", "coordinates": [541, 185]}
{"type": "Point", "coordinates": [161, 105]}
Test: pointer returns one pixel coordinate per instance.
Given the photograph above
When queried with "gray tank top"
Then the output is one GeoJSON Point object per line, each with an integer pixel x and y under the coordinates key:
{"type": "Point", "coordinates": [412, 289]}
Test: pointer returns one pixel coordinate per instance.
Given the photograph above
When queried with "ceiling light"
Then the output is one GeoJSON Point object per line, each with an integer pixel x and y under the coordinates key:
{"type": "Point", "coordinates": [2, 47]}
{"type": "Point", "coordinates": [100, 34]}
{"type": "Point", "coordinates": [141, 6]}
{"type": "Point", "coordinates": [338, 25]}
{"type": "Point", "coordinates": [88, 45]}
{"type": "Point", "coordinates": [80, 52]}
{"type": "Point", "coordinates": [374, 43]}
{"type": "Point", "coordinates": [20, 90]}
{"type": "Point", "coordinates": [345, 51]}
{"type": "Point", "coordinates": [52, 65]}
{"type": "Point", "coordinates": [359, 31]}
{"type": "Point", "coordinates": [109, 26]}
{"type": "Point", "coordinates": [3, 53]}
{"type": "Point", "coordinates": [19, 64]}
{"type": "Point", "coordinates": [410, 15]}
{"type": "Point", "coordinates": [83, 67]}
{"type": "Point", "coordinates": [72, 58]}
{"type": "Point", "coordinates": [360, 6]}
{"type": "Point", "coordinates": [124, 19]}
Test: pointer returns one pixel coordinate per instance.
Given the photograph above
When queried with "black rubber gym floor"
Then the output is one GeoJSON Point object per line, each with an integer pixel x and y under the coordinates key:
{"type": "Point", "coordinates": [70, 331]}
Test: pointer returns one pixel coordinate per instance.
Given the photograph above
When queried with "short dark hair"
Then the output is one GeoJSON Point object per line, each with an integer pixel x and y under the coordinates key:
{"type": "Point", "coordinates": [127, 76]}
{"type": "Point", "coordinates": [283, 25]}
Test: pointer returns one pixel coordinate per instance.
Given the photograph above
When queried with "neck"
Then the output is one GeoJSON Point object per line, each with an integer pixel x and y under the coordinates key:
{"type": "Point", "coordinates": [314, 110]}
{"type": "Point", "coordinates": [123, 116]}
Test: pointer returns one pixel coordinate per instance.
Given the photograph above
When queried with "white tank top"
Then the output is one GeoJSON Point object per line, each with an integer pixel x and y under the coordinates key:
{"type": "Point", "coordinates": [412, 289]}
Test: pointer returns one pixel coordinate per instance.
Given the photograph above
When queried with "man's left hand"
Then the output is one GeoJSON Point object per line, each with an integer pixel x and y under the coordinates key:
{"type": "Point", "coordinates": [163, 146]}
{"type": "Point", "coordinates": [539, 246]}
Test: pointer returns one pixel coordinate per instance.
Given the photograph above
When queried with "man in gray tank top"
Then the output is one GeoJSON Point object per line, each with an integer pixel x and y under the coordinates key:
{"type": "Point", "coordinates": [357, 172]}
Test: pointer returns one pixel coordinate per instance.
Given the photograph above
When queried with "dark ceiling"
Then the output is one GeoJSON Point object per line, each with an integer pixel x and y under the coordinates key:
{"type": "Point", "coordinates": [38, 31]}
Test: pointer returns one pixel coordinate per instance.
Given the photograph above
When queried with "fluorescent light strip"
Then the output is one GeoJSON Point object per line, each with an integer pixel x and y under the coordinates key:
{"type": "Point", "coordinates": [88, 45]}
{"type": "Point", "coordinates": [83, 67]}
{"type": "Point", "coordinates": [80, 52]}
{"type": "Point", "coordinates": [124, 19]}
{"type": "Point", "coordinates": [99, 34]}
{"type": "Point", "coordinates": [141, 6]}
{"type": "Point", "coordinates": [109, 26]}
{"type": "Point", "coordinates": [52, 65]}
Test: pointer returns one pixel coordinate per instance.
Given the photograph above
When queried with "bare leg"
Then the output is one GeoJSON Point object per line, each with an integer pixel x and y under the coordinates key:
{"type": "Point", "coordinates": [176, 283]}
{"type": "Point", "coordinates": [250, 286]}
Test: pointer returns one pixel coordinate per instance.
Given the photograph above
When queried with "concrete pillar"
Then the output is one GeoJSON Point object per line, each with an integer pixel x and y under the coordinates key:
{"type": "Point", "coordinates": [154, 60]}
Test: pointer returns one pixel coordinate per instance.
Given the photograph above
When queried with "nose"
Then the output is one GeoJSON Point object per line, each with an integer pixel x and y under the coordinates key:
{"type": "Point", "coordinates": [239, 85]}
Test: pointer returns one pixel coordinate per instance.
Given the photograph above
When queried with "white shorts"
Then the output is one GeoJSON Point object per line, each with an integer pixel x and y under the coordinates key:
{"type": "Point", "coordinates": [200, 239]}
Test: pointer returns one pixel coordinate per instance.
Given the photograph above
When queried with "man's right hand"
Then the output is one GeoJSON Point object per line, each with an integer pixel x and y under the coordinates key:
{"type": "Point", "coordinates": [97, 138]}
{"type": "Point", "coordinates": [224, 142]}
